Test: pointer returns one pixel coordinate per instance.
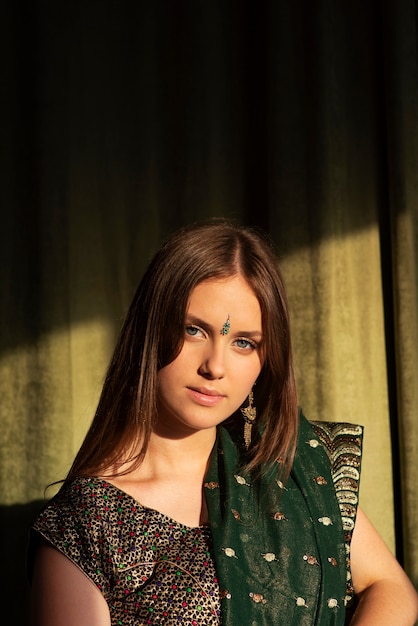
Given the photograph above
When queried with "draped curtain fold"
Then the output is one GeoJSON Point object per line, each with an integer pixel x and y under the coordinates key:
{"type": "Point", "coordinates": [400, 51]}
{"type": "Point", "coordinates": [124, 120]}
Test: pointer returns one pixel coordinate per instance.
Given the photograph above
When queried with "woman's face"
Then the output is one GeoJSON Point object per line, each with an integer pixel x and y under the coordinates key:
{"type": "Point", "coordinates": [217, 365]}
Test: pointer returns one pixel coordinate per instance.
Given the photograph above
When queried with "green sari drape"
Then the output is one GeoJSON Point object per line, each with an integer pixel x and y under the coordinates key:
{"type": "Point", "coordinates": [281, 553]}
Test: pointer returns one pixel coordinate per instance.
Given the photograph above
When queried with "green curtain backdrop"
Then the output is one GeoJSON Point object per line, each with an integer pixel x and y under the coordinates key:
{"type": "Point", "coordinates": [122, 120]}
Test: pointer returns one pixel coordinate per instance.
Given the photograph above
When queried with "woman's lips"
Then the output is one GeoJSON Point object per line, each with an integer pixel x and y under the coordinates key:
{"type": "Point", "coordinates": [205, 397]}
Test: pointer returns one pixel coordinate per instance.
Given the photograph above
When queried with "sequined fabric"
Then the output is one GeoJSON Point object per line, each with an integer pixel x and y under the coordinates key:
{"type": "Point", "coordinates": [150, 569]}
{"type": "Point", "coordinates": [342, 443]}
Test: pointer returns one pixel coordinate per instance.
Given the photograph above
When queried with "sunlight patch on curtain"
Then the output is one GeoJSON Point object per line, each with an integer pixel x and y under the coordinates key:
{"type": "Point", "coordinates": [49, 394]}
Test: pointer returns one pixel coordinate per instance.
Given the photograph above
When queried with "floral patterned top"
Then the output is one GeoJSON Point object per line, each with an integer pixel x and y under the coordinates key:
{"type": "Point", "coordinates": [150, 569]}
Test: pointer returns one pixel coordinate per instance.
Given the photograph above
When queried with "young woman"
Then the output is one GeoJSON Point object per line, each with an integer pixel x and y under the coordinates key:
{"type": "Point", "coordinates": [201, 495]}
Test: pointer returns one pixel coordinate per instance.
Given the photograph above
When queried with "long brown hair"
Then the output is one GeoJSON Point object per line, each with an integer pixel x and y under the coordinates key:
{"type": "Point", "coordinates": [152, 336]}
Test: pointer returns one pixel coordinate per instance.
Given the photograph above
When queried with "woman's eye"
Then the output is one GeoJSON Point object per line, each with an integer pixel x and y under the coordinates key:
{"type": "Point", "coordinates": [193, 331]}
{"type": "Point", "coordinates": [245, 344]}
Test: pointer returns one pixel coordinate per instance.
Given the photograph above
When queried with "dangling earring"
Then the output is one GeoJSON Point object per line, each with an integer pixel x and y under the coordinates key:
{"type": "Point", "coordinates": [249, 414]}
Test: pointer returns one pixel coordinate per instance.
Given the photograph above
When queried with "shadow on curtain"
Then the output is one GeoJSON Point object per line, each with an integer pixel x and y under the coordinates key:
{"type": "Point", "coordinates": [124, 120]}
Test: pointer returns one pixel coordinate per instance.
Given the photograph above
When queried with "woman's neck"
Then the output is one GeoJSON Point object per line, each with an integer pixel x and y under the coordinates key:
{"type": "Point", "coordinates": [179, 456]}
{"type": "Point", "coordinates": [171, 475]}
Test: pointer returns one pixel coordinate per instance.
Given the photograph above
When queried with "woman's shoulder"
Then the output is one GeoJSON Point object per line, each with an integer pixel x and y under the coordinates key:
{"type": "Point", "coordinates": [70, 522]}
{"type": "Point", "coordinates": [90, 521]}
{"type": "Point", "coordinates": [88, 506]}
{"type": "Point", "coordinates": [81, 515]}
{"type": "Point", "coordinates": [80, 496]}
{"type": "Point", "coordinates": [333, 433]}
{"type": "Point", "coordinates": [334, 437]}
{"type": "Point", "coordinates": [342, 443]}
{"type": "Point", "coordinates": [92, 512]}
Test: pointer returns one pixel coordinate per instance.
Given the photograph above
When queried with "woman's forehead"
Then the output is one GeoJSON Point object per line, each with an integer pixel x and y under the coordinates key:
{"type": "Point", "coordinates": [218, 298]}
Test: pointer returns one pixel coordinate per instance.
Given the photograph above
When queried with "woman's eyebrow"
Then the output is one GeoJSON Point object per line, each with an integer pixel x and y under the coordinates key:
{"type": "Point", "coordinates": [252, 334]}
{"type": "Point", "coordinates": [192, 319]}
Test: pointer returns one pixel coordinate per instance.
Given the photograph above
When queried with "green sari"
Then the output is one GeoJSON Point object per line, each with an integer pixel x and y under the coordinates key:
{"type": "Point", "coordinates": [282, 554]}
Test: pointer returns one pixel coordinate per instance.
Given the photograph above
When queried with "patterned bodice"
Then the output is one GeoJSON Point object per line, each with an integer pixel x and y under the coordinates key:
{"type": "Point", "coordinates": [150, 569]}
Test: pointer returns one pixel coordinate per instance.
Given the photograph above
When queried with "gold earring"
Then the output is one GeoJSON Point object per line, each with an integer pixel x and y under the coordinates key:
{"type": "Point", "coordinates": [249, 414]}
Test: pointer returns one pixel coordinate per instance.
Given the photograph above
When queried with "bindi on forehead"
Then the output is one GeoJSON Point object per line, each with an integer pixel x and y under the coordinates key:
{"type": "Point", "coordinates": [226, 327]}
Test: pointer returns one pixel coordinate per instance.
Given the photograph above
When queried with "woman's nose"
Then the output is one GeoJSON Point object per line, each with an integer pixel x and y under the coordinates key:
{"type": "Point", "coordinates": [213, 363]}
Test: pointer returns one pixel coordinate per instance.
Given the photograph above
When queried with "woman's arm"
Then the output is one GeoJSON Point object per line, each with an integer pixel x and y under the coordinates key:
{"type": "Point", "coordinates": [62, 595]}
{"type": "Point", "coordinates": [386, 595]}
